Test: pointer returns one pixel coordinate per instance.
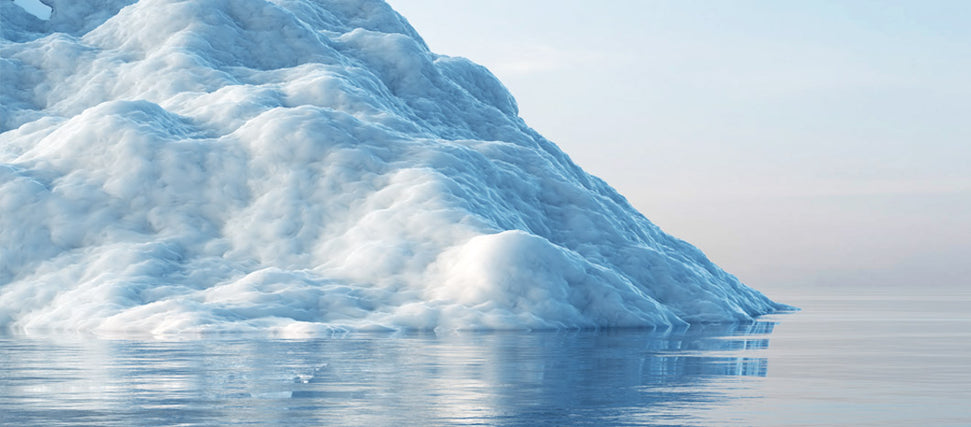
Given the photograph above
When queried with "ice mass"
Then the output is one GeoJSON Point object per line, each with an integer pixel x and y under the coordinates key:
{"type": "Point", "coordinates": [300, 167]}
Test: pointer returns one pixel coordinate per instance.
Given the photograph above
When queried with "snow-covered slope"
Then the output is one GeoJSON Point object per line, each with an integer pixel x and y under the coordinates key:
{"type": "Point", "coordinates": [301, 166]}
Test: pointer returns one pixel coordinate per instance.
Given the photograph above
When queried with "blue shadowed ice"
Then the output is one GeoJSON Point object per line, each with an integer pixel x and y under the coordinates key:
{"type": "Point", "coordinates": [303, 167]}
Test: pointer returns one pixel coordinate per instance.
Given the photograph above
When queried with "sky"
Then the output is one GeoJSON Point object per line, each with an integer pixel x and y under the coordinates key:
{"type": "Point", "coordinates": [35, 7]}
{"type": "Point", "coordinates": [804, 146]}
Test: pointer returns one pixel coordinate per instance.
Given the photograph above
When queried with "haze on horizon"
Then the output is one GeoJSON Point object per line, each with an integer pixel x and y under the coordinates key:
{"type": "Point", "coordinates": [821, 144]}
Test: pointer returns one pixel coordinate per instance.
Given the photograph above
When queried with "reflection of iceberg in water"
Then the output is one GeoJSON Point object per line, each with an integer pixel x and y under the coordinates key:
{"type": "Point", "coordinates": [736, 338]}
{"type": "Point", "coordinates": [605, 377]}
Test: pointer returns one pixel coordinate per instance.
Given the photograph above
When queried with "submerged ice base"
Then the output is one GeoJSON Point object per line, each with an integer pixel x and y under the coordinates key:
{"type": "Point", "coordinates": [302, 167]}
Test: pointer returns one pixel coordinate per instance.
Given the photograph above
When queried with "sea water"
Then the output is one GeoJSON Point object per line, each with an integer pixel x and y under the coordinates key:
{"type": "Point", "coordinates": [849, 360]}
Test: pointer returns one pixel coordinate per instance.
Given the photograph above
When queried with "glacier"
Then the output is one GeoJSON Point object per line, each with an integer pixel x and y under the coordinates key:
{"type": "Point", "coordinates": [303, 167]}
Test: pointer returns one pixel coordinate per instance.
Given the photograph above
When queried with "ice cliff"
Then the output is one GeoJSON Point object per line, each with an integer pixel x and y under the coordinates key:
{"type": "Point", "coordinates": [300, 167]}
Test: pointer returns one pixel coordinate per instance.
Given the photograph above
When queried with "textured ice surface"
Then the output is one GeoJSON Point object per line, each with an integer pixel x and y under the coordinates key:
{"type": "Point", "coordinates": [299, 167]}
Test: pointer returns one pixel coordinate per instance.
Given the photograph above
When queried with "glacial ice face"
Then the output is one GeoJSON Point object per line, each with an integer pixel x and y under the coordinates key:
{"type": "Point", "coordinates": [299, 167]}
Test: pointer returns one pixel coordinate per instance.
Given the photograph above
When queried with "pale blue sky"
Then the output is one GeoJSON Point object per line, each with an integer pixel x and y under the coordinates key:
{"type": "Point", "coordinates": [799, 144]}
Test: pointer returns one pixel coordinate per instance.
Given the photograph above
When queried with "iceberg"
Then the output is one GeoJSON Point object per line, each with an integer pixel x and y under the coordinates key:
{"type": "Point", "coordinates": [300, 167]}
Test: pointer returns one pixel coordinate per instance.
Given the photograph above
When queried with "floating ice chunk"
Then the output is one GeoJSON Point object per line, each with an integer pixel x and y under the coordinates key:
{"type": "Point", "coordinates": [303, 168]}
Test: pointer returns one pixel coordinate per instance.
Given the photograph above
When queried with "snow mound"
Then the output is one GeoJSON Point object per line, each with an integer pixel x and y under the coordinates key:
{"type": "Point", "coordinates": [301, 167]}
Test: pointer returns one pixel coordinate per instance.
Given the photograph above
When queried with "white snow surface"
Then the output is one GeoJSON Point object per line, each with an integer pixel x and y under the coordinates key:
{"type": "Point", "coordinates": [300, 167]}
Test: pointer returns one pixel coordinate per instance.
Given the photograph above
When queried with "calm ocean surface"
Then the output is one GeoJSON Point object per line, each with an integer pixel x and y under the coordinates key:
{"type": "Point", "coordinates": [866, 360]}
